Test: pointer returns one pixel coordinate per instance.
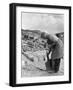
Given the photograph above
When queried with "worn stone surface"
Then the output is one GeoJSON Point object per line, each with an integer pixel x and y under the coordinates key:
{"type": "Point", "coordinates": [34, 58]}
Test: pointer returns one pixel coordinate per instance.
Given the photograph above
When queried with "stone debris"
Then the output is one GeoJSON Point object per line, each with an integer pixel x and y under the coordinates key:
{"type": "Point", "coordinates": [34, 50]}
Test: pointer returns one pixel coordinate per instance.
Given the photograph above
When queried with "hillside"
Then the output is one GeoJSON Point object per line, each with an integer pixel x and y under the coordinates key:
{"type": "Point", "coordinates": [34, 53]}
{"type": "Point", "coordinates": [31, 40]}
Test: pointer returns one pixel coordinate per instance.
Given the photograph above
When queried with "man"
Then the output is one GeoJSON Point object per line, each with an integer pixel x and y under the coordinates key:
{"type": "Point", "coordinates": [56, 50]}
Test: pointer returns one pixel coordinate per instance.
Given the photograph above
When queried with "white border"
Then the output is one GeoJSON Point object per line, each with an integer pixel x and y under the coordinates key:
{"type": "Point", "coordinates": [24, 80]}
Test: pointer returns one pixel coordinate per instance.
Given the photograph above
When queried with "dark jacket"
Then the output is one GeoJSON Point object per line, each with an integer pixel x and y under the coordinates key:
{"type": "Point", "coordinates": [57, 50]}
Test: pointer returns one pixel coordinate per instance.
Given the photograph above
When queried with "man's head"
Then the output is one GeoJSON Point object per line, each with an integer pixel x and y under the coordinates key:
{"type": "Point", "coordinates": [51, 38]}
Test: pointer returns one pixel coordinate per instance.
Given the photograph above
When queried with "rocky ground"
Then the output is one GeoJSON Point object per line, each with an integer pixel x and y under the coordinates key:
{"type": "Point", "coordinates": [33, 49]}
{"type": "Point", "coordinates": [30, 70]}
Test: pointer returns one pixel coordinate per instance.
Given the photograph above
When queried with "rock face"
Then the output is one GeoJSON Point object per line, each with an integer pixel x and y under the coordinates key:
{"type": "Point", "coordinates": [34, 49]}
{"type": "Point", "coordinates": [31, 41]}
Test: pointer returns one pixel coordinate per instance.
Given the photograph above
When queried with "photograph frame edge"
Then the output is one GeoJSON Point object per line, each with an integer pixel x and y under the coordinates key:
{"type": "Point", "coordinates": [12, 44]}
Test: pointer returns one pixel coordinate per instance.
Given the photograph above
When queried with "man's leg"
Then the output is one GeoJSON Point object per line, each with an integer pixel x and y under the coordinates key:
{"type": "Point", "coordinates": [56, 65]}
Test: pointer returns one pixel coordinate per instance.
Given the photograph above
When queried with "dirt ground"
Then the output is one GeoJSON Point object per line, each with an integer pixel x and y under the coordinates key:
{"type": "Point", "coordinates": [32, 71]}
{"type": "Point", "coordinates": [31, 43]}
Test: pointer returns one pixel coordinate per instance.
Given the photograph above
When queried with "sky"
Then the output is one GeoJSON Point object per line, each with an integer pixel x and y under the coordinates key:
{"type": "Point", "coordinates": [50, 23]}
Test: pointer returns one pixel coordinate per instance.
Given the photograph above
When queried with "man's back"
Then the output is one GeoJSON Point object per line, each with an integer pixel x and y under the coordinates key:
{"type": "Point", "coordinates": [58, 50]}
